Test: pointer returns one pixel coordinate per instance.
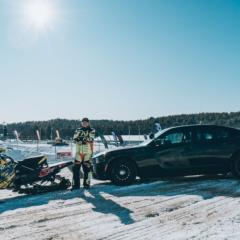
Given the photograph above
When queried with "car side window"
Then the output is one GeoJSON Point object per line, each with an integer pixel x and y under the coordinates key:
{"type": "Point", "coordinates": [204, 136]}
{"type": "Point", "coordinates": [175, 138]}
{"type": "Point", "coordinates": [212, 135]}
{"type": "Point", "coordinates": [222, 134]}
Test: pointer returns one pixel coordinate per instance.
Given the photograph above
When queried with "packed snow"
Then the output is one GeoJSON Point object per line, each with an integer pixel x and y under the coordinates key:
{"type": "Point", "coordinates": [182, 208]}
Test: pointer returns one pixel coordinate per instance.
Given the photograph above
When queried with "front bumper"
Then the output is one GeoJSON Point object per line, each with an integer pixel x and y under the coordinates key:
{"type": "Point", "coordinates": [99, 171]}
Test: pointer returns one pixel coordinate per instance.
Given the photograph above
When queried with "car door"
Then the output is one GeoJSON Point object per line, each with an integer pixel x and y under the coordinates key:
{"type": "Point", "coordinates": [168, 150]}
{"type": "Point", "coordinates": [210, 150]}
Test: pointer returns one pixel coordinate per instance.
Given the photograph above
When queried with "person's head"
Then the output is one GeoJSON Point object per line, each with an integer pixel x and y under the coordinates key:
{"type": "Point", "coordinates": [85, 122]}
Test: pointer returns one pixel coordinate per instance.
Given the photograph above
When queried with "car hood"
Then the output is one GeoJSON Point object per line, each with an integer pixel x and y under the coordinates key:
{"type": "Point", "coordinates": [119, 149]}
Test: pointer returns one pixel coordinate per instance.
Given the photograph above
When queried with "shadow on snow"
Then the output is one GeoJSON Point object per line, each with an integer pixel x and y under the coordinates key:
{"type": "Point", "coordinates": [205, 186]}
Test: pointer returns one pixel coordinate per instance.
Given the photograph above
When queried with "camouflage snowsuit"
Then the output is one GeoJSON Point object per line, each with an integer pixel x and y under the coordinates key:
{"type": "Point", "coordinates": [84, 138]}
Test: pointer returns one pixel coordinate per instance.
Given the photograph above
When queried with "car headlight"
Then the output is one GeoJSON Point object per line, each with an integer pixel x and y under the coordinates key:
{"type": "Point", "coordinates": [99, 159]}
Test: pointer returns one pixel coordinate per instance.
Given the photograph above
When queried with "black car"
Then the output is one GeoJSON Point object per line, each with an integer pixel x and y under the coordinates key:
{"type": "Point", "coordinates": [177, 151]}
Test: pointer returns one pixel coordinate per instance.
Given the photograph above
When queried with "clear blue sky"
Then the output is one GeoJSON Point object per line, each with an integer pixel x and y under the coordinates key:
{"type": "Point", "coordinates": [121, 59]}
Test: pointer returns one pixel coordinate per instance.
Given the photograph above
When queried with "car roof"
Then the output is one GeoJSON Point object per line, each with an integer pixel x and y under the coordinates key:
{"type": "Point", "coordinates": [163, 131]}
{"type": "Point", "coordinates": [203, 125]}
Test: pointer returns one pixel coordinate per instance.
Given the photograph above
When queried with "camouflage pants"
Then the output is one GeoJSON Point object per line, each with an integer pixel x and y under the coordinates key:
{"type": "Point", "coordinates": [83, 159]}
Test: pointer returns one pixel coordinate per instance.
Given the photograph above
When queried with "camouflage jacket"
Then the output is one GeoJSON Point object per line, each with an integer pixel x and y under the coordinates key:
{"type": "Point", "coordinates": [84, 135]}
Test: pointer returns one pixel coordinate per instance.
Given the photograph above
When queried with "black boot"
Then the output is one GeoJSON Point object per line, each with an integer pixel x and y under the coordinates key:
{"type": "Point", "coordinates": [76, 176]}
{"type": "Point", "coordinates": [86, 186]}
{"type": "Point", "coordinates": [87, 170]}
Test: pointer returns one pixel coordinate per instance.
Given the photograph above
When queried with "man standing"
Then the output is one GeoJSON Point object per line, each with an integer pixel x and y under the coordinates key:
{"type": "Point", "coordinates": [84, 139]}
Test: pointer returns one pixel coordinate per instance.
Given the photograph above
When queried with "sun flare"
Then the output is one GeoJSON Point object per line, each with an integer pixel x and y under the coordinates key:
{"type": "Point", "coordinates": [38, 15]}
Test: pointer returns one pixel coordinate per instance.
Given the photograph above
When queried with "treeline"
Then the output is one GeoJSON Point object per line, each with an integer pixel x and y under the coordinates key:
{"type": "Point", "coordinates": [27, 130]}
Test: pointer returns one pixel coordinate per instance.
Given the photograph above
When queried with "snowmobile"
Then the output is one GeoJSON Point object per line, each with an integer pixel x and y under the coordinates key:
{"type": "Point", "coordinates": [32, 175]}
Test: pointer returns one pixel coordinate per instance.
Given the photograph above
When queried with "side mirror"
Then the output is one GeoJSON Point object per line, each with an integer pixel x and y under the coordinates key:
{"type": "Point", "coordinates": [157, 143]}
{"type": "Point", "coordinates": [151, 136]}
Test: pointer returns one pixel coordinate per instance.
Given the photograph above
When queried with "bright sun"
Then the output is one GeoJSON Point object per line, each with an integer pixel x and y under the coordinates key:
{"type": "Point", "coordinates": [38, 15]}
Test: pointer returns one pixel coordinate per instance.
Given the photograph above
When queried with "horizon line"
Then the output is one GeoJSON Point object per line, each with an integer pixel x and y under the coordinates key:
{"type": "Point", "coordinates": [142, 119]}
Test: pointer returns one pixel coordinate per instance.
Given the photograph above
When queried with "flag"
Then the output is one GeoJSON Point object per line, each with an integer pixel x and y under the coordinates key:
{"type": "Point", "coordinates": [38, 135]}
{"type": "Point", "coordinates": [16, 134]}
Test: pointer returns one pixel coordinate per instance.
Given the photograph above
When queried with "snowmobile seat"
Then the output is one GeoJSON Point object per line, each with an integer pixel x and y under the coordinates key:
{"type": "Point", "coordinates": [33, 162]}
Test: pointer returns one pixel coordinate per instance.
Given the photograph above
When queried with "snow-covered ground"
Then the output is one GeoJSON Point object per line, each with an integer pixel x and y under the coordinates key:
{"type": "Point", "coordinates": [184, 208]}
{"type": "Point", "coordinates": [192, 208]}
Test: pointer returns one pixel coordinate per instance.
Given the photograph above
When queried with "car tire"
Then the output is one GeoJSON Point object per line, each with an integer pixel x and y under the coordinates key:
{"type": "Point", "coordinates": [123, 173]}
{"type": "Point", "coordinates": [235, 166]}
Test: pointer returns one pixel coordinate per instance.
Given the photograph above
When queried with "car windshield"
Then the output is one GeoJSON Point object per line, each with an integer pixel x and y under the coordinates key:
{"type": "Point", "coordinates": [145, 143]}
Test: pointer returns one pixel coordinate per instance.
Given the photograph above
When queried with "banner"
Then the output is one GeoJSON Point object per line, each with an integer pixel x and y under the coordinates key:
{"type": "Point", "coordinates": [62, 155]}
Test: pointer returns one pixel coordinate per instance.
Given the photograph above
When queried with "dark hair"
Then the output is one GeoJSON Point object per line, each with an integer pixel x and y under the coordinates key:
{"type": "Point", "coordinates": [85, 120]}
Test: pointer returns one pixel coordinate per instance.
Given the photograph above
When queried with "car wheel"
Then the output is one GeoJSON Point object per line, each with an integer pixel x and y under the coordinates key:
{"type": "Point", "coordinates": [235, 166]}
{"type": "Point", "coordinates": [123, 173]}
